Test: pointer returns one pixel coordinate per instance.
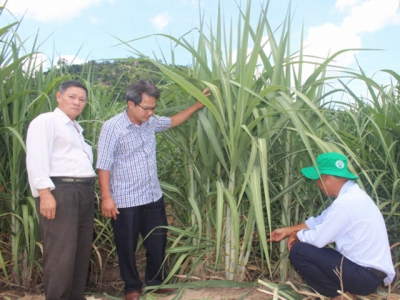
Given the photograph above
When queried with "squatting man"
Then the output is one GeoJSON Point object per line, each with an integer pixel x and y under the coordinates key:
{"type": "Point", "coordinates": [361, 260]}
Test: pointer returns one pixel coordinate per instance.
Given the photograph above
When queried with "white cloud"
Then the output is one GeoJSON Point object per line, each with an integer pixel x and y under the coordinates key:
{"type": "Point", "coordinates": [48, 10]}
{"type": "Point", "coordinates": [371, 16]}
{"type": "Point", "coordinates": [35, 63]}
{"type": "Point", "coordinates": [364, 16]}
{"type": "Point", "coordinates": [69, 60]}
{"type": "Point", "coordinates": [327, 39]}
{"type": "Point", "coordinates": [40, 60]}
{"type": "Point", "coordinates": [161, 20]}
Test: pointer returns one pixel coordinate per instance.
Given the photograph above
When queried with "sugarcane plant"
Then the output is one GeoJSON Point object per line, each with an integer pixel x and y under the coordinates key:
{"type": "Point", "coordinates": [231, 174]}
{"type": "Point", "coordinates": [265, 119]}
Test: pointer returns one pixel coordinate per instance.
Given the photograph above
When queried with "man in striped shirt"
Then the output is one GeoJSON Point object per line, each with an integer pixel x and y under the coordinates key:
{"type": "Point", "coordinates": [361, 260]}
{"type": "Point", "coordinates": [129, 186]}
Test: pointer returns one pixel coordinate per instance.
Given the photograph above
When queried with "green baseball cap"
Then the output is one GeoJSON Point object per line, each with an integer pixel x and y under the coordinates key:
{"type": "Point", "coordinates": [330, 163]}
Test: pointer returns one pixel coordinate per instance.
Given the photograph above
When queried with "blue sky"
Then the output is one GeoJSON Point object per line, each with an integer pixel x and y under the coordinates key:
{"type": "Point", "coordinates": [90, 29]}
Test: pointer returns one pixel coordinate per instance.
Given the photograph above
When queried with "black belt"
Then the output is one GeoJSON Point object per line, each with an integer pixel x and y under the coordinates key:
{"type": "Point", "coordinates": [90, 180]}
{"type": "Point", "coordinates": [380, 274]}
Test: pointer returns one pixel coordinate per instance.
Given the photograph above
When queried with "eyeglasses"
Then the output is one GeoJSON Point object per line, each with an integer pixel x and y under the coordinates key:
{"type": "Point", "coordinates": [147, 108]}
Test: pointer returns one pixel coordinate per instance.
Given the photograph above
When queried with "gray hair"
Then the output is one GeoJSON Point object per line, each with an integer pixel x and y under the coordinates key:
{"type": "Point", "coordinates": [72, 83]}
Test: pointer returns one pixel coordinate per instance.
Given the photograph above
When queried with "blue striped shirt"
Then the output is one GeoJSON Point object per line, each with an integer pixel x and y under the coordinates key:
{"type": "Point", "coordinates": [128, 151]}
{"type": "Point", "coordinates": [355, 224]}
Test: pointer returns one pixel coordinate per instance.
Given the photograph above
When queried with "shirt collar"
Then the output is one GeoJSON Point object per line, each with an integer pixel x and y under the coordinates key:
{"type": "Point", "coordinates": [127, 122]}
{"type": "Point", "coordinates": [65, 119]}
{"type": "Point", "coordinates": [346, 186]}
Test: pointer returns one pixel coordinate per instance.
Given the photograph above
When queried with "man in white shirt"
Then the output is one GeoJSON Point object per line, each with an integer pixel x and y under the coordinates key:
{"type": "Point", "coordinates": [361, 260]}
{"type": "Point", "coordinates": [61, 177]}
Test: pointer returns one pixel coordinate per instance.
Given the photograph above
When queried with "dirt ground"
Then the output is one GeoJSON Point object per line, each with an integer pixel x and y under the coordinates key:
{"type": "Point", "coordinates": [112, 288]}
{"type": "Point", "coordinates": [188, 294]}
{"type": "Point", "coordinates": [7, 293]}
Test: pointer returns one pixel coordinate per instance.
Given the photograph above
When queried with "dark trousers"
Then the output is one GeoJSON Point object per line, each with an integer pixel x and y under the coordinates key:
{"type": "Point", "coordinates": [142, 220]}
{"type": "Point", "coordinates": [67, 241]}
{"type": "Point", "coordinates": [318, 265]}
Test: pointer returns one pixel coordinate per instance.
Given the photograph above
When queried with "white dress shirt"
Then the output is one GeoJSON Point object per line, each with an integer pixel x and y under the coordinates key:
{"type": "Point", "coordinates": [356, 226]}
{"type": "Point", "coordinates": [55, 147]}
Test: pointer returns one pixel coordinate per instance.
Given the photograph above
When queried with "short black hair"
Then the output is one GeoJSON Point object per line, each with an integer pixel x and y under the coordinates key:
{"type": "Point", "coordinates": [136, 90]}
{"type": "Point", "coordinates": [71, 83]}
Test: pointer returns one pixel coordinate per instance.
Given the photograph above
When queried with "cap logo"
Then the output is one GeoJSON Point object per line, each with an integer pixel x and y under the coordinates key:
{"type": "Point", "coordinates": [339, 164]}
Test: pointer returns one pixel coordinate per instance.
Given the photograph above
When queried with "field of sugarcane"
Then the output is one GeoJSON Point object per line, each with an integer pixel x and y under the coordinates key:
{"type": "Point", "coordinates": [231, 174]}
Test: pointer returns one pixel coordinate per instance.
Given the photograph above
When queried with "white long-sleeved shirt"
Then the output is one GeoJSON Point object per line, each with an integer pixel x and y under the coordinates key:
{"type": "Point", "coordinates": [356, 226]}
{"type": "Point", "coordinates": [55, 147]}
